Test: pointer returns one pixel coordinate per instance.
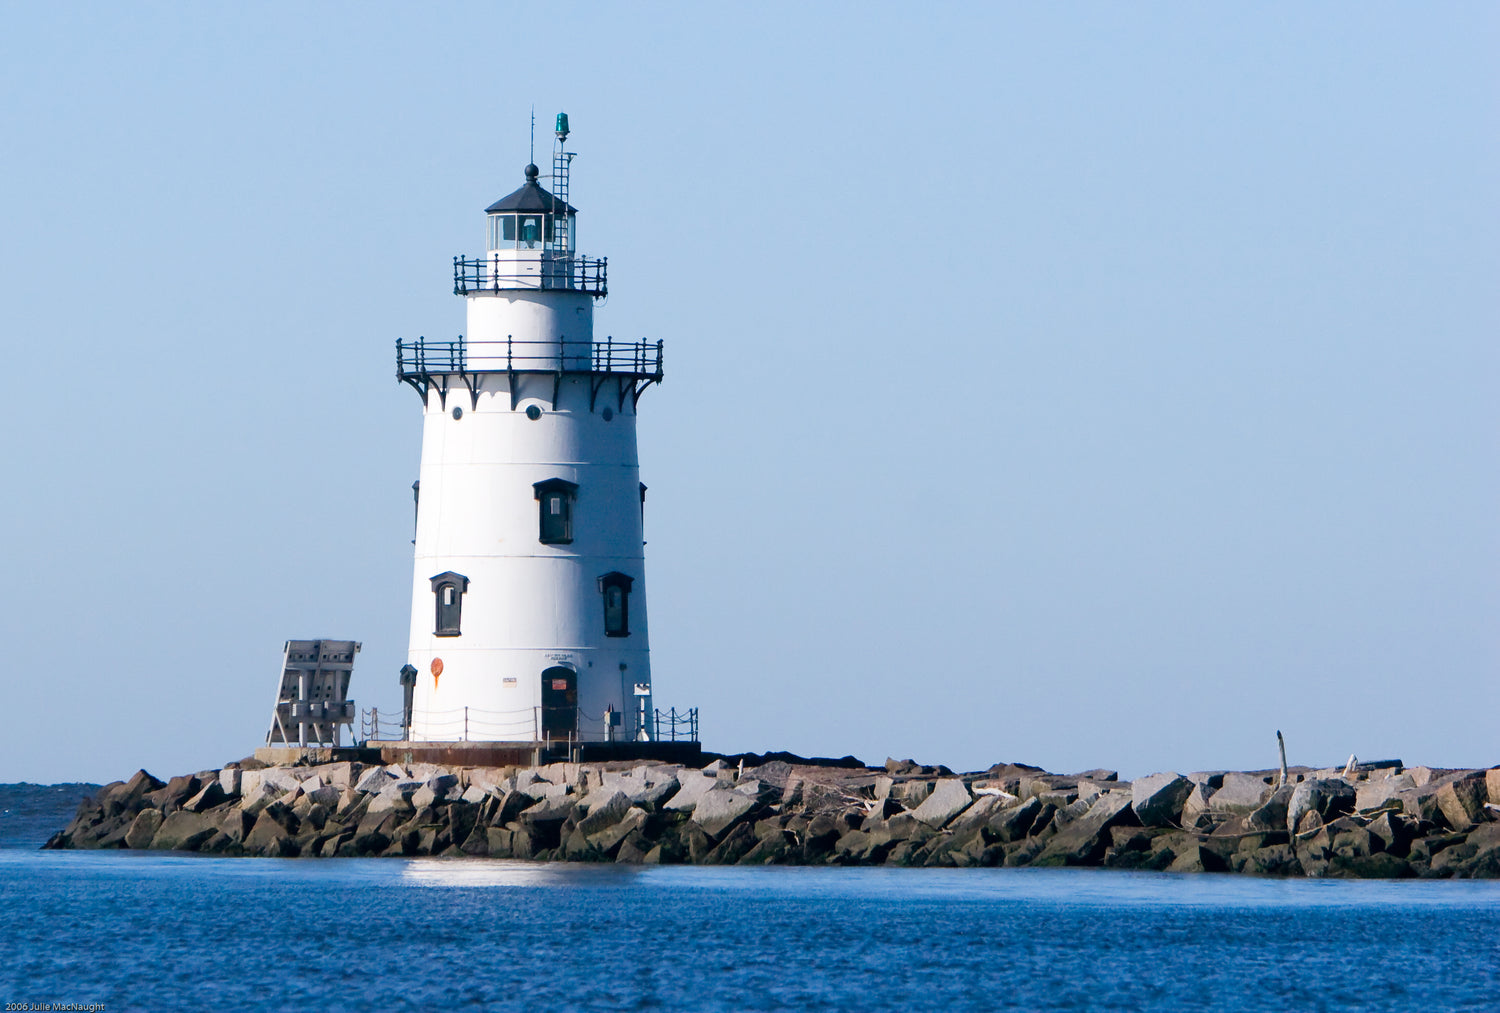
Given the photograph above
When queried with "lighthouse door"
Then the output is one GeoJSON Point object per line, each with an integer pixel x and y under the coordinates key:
{"type": "Point", "coordinates": [559, 703]}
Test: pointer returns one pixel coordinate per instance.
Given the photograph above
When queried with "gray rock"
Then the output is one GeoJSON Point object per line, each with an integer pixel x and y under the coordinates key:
{"type": "Point", "coordinates": [229, 780]}
{"type": "Point", "coordinates": [425, 797]}
{"type": "Point", "coordinates": [978, 814]}
{"type": "Point", "coordinates": [328, 796]}
{"type": "Point", "coordinates": [1087, 838]}
{"type": "Point", "coordinates": [1328, 797]}
{"type": "Point", "coordinates": [556, 807]}
{"type": "Point", "coordinates": [396, 796]}
{"type": "Point", "coordinates": [606, 839]}
{"type": "Point", "coordinates": [443, 785]}
{"type": "Point", "coordinates": [274, 781]}
{"type": "Point", "coordinates": [1015, 822]}
{"type": "Point", "coordinates": [1239, 794]}
{"type": "Point", "coordinates": [212, 795]}
{"type": "Point", "coordinates": [605, 809]}
{"type": "Point", "coordinates": [374, 780]}
{"type": "Point", "coordinates": [737, 843]}
{"type": "Point", "coordinates": [691, 788]}
{"type": "Point", "coordinates": [1371, 795]}
{"type": "Point", "coordinates": [1271, 815]}
{"type": "Point", "coordinates": [718, 809]}
{"type": "Point", "coordinates": [949, 798]}
{"type": "Point", "coordinates": [263, 833]}
{"type": "Point", "coordinates": [911, 793]}
{"type": "Point", "coordinates": [341, 775]}
{"type": "Point", "coordinates": [143, 829]}
{"type": "Point", "coordinates": [1158, 799]}
{"type": "Point", "coordinates": [183, 831]}
{"type": "Point", "coordinates": [653, 795]}
{"type": "Point", "coordinates": [1197, 858]}
{"type": "Point", "coordinates": [1461, 800]}
{"type": "Point", "coordinates": [474, 794]}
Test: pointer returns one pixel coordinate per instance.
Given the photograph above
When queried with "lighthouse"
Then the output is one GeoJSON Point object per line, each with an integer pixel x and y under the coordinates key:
{"type": "Point", "coordinates": [528, 614]}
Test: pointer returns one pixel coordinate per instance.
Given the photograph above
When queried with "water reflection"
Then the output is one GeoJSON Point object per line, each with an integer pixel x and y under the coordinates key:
{"type": "Point", "coordinates": [491, 872]}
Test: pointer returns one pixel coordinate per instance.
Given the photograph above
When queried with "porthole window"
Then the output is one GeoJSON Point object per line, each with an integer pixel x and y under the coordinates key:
{"type": "Point", "coordinates": [458, 413]}
{"type": "Point", "coordinates": [448, 593]}
{"type": "Point", "coordinates": [555, 498]}
{"type": "Point", "coordinates": [533, 412]}
{"type": "Point", "coordinates": [615, 590]}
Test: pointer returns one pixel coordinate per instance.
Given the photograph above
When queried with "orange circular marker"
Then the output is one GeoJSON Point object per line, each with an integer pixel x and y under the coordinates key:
{"type": "Point", "coordinates": [437, 670]}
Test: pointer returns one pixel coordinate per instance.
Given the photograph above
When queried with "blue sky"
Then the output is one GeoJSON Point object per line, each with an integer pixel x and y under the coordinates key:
{"type": "Point", "coordinates": [1079, 386]}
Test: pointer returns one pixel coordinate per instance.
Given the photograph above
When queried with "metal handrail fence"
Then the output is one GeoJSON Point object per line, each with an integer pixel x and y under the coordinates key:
{"type": "Point", "coordinates": [668, 723]}
{"type": "Point", "coordinates": [550, 271]}
{"type": "Point", "coordinates": [415, 359]}
{"type": "Point", "coordinates": [475, 724]}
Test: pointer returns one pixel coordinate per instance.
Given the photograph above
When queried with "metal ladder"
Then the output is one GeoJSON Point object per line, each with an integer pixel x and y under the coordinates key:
{"type": "Point", "coordinates": [561, 240]}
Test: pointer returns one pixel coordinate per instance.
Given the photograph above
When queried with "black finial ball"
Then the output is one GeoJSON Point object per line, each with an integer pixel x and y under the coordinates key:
{"type": "Point", "coordinates": [532, 172]}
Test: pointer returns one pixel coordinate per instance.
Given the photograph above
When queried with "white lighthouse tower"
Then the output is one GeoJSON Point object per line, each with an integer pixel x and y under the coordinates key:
{"type": "Point", "coordinates": [528, 619]}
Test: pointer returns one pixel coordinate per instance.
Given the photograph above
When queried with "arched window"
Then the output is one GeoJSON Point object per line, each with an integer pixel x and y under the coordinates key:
{"type": "Point", "coordinates": [615, 589]}
{"type": "Point", "coordinates": [555, 499]}
{"type": "Point", "coordinates": [448, 591]}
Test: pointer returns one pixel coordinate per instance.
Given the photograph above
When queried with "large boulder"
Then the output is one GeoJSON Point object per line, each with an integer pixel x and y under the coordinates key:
{"type": "Point", "coordinates": [396, 796]}
{"type": "Point", "coordinates": [1085, 840]}
{"type": "Point", "coordinates": [1372, 795]}
{"type": "Point", "coordinates": [147, 822]}
{"type": "Point", "coordinates": [375, 779]}
{"type": "Point", "coordinates": [126, 796]}
{"type": "Point", "coordinates": [605, 808]}
{"type": "Point", "coordinates": [341, 775]}
{"type": "Point", "coordinates": [1329, 797]}
{"type": "Point", "coordinates": [1015, 822]}
{"type": "Point", "coordinates": [608, 837]}
{"type": "Point", "coordinates": [553, 808]}
{"type": "Point", "coordinates": [980, 812]}
{"type": "Point", "coordinates": [692, 786]}
{"type": "Point", "coordinates": [718, 809]}
{"type": "Point", "coordinates": [174, 793]}
{"type": "Point", "coordinates": [1272, 814]}
{"type": "Point", "coordinates": [1239, 794]}
{"type": "Point", "coordinates": [1461, 800]}
{"type": "Point", "coordinates": [1158, 799]}
{"type": "Point", "coordinates": [183, 831]}
{"type": "Point", "coordinates": [211, 796]}
{"type": "Point", "coordinates": [949, 798]}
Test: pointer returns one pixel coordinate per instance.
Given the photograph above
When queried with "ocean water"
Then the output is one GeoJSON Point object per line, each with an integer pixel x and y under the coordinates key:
{"type": "Point", "coordinates": [133, 931]}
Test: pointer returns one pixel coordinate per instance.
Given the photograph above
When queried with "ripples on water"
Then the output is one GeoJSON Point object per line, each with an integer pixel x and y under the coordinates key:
{"type": "Point", "coordinates": [169, 932]}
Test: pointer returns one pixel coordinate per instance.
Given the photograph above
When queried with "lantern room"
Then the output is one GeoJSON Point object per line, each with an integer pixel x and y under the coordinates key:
{"type": "Point", "coordinates": [531, 219]}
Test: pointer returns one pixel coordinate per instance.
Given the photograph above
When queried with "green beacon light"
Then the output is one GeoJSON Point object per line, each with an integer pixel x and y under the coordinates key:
{"type": "Point", "coordinates": [562, 126]}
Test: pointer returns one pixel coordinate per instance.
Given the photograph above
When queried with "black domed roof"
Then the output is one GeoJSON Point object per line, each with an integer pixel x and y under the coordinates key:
{"type": "Point", "coordinates": [530, 199]}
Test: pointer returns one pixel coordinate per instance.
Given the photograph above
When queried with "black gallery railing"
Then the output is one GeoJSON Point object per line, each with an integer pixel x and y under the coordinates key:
{"type": "Point", "coordinates": [421, 358]}
{"type": "Point", "coordinates": [549, 271]}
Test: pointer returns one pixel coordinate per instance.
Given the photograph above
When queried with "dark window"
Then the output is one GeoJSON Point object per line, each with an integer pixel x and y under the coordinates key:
{"type": "Point", "coordinates": [448, 591]}
{"type": "Point", "coordinates": [555, 499]}
{"type": "Point", "coordinates": [615, 589]}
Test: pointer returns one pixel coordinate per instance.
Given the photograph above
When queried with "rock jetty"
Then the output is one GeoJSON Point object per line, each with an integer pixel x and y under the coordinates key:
{"type": "Point", "coordinates": [1375, 820]}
